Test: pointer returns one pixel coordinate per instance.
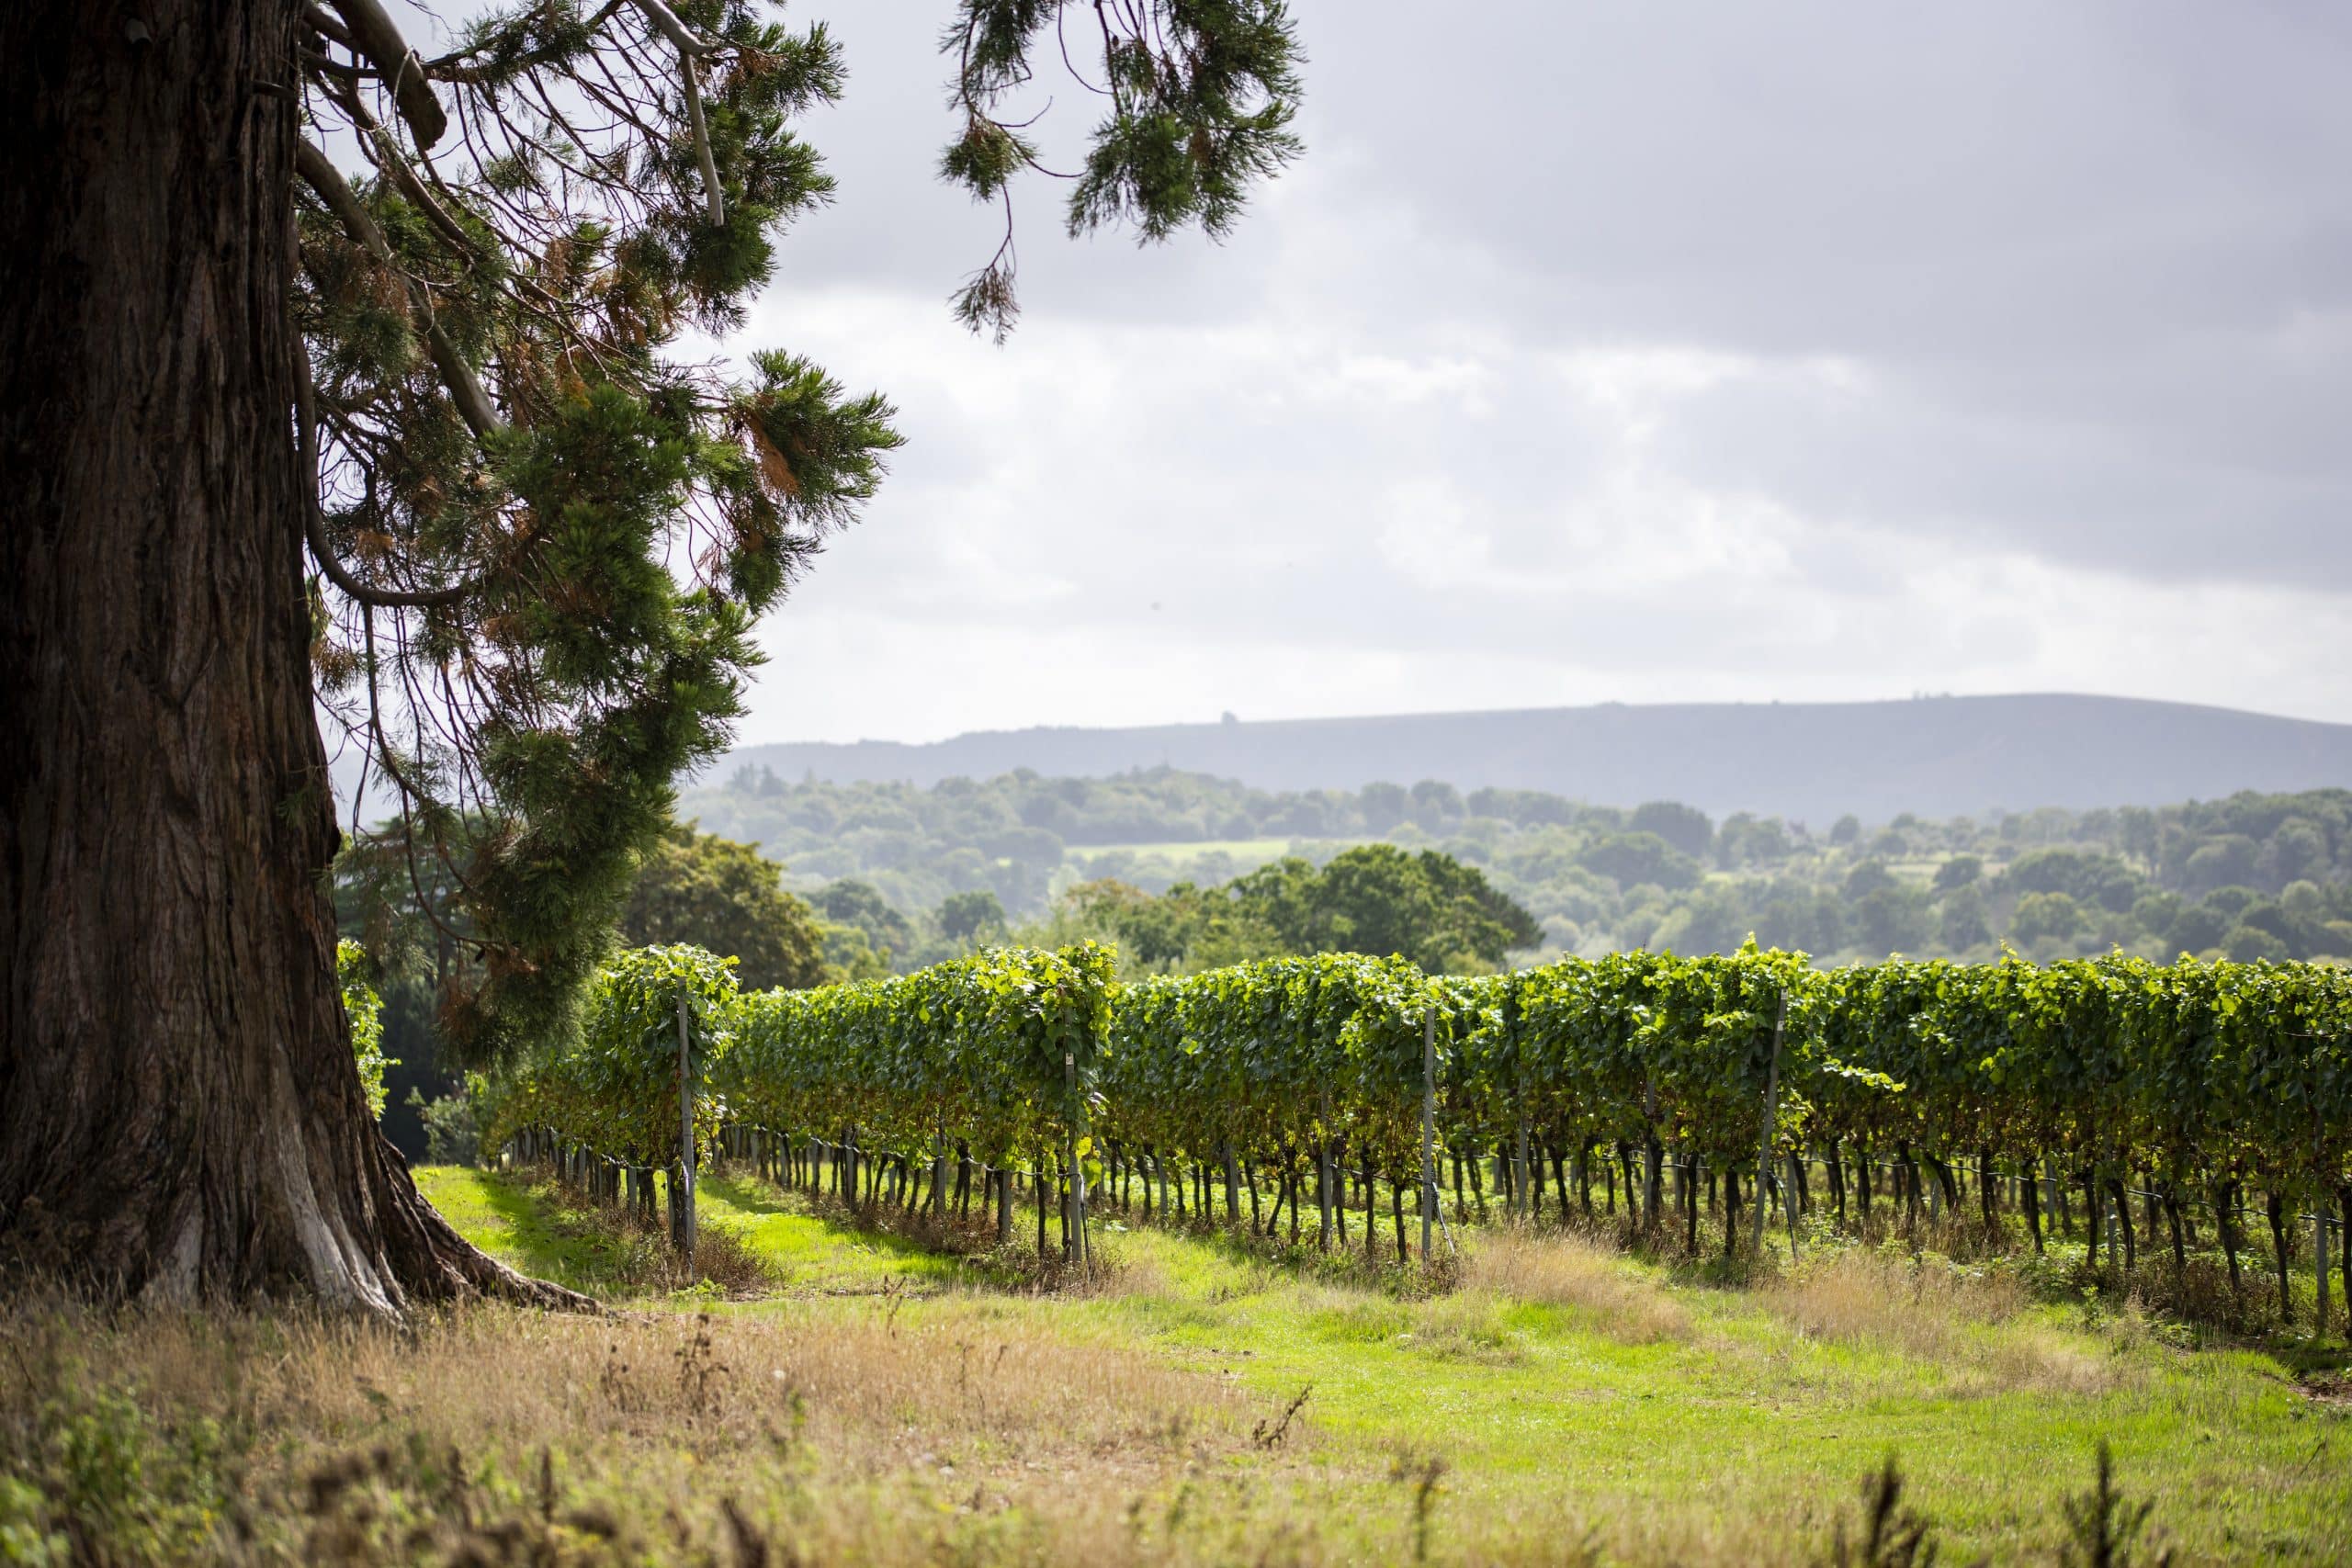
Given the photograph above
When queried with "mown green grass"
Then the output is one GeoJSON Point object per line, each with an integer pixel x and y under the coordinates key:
{"type": "Point", "coordinates": [1531, 1407]}
{"type": "Point", "coordinates": [1633, 1404]}
{"type": "Point", "coordinates": [522, 1225]}
{"type": "Point", "coordinates": [499, 1215]}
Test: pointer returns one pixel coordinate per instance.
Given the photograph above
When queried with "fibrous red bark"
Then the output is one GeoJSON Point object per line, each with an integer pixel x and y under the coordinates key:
{"type": "Point", "coordinates": [179, 1111]}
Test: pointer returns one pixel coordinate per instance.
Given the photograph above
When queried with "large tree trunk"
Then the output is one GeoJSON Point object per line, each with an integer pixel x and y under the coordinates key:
{"type": "Point", "coordinates": [179, 1111]}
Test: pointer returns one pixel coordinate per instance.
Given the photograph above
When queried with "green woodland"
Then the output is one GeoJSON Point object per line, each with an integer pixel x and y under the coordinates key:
{"type": "Point", "coordinates": [2247, 878]}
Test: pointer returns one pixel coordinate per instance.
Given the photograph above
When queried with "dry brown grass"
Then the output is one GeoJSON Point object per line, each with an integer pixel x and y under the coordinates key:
{"type": "Point", "coordinates": [1972, 1324]}
{"type": "Point", "coordinates": [856, 1430]}
{"type": "Point", "coordinates": [1563, 1269]}
{"type": "Point", "coordinates": [887, 1429]}
{"type": "Point", "coordinates": [1856, 1294]}
{"type": "Point", "coordinates": [864, 1381]}
{"type": "Point", "coordinates": [926, 1423]}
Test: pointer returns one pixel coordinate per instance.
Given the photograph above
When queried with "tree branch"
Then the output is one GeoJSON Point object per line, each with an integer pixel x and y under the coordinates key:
{"type": "Point", "coordinates": [374, 35]}
{"type": "Point", "coordinates": [314, 522]}
{"type": "Point", "coordinates": [454, 67]}
{"type": "Point", "coordinates": [673, 29]}
{"type": "Point", "coordinates": [395, 166]}
{"type": "Point", "coordinates": [327, 180]}
{"type": "Point", "coordinates": [711, 197]}
{"type": "Point", "coordinates": [465, 389]}
{"type": "Point", "coordinates": [689, 47]}
{"type": "Point", "coordinates": [327, 26]}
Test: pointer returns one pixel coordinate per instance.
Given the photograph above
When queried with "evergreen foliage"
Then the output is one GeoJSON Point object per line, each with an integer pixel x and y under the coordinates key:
{"type": "Point", "coordinates": [543, 534]}
{"type": "Point", "coordinates": [1199, 99]}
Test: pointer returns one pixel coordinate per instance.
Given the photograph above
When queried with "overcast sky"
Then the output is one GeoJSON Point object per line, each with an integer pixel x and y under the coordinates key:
{"type": "Point", "coordinates": [1600, 351]}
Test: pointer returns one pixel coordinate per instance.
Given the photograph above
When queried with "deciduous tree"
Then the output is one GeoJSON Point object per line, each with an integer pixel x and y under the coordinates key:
{"type": "Point", "coordinates": [705, 891]}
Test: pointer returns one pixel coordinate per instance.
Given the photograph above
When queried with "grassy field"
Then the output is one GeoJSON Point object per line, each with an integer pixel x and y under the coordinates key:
{"type": "Point", "coordinates": [843, 1394]}
{"type": "Point", "coordinates": [1176, 857]}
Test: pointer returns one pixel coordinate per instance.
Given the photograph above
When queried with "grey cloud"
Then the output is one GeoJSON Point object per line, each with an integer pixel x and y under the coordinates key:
{"type": "Point", "coordinates": [2053, 303]}
{"type": "Point", "coordinates": [1992, 311]}
{"type": "Point", "coordinates": [2071, 246]}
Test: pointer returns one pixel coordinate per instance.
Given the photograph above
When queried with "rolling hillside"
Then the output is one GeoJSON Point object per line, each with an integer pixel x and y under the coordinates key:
{"type": "Point", "coordinates": [1807, 761]}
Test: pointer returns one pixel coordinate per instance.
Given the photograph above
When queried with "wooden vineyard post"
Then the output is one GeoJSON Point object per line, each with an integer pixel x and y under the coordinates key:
{"type": "Point", "coordinates": [1521, 1195]}
{"type": "Point", "coordinates": [684, 1239]}
{"type": "Point", "coordinates": [1647, 1205]}
{"type": "Point", "coordinates": [1076, 1251]}
{"type": "Point", "coordinates": [1323, 1174]}
{"type": "Point", "coordinates": [2320, 1261]}
{"type": "Point", "coordinates": [1521, 1203]}
{"type": "Point", "coordinates": [1429, 1125]}
{"type": "Point", "coordinates": [1789, 1207]}
{"type": "Point", "coordinates": [939, 1175]}
{"type": "Point", "coordinates": [2319, 1223]}
{"type": "Point", "coordinates": [1771, 1113]}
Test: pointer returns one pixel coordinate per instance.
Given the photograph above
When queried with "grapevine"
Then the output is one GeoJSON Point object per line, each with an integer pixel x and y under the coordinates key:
{"type": "Point", "coordinates": [2186, 1082]}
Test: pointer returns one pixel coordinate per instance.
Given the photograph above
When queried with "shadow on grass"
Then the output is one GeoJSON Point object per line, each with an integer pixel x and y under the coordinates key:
{"type": "Point", "coordinates": [542, 1243]}
{"type": "Point", "coordinates": [964, 1251]}
{"type": "Point", "coordinates": [835, 1222]}
{"type": "Point", "coordinates": [813, 1235]}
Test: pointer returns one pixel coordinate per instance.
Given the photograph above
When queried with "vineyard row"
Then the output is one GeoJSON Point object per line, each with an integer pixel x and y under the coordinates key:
{"type": "Point", "coordinates": [2193, 1085]}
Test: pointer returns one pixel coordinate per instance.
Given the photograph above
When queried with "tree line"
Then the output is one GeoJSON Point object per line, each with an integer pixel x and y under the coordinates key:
{"type": "Point", "coordinates": [701, 890]}
{"type": "Point", "coordinates": [2250, 876]}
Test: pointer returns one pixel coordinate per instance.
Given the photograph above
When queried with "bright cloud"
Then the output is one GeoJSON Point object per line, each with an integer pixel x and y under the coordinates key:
{"type": "Point", "coordinates": [1637, 353]}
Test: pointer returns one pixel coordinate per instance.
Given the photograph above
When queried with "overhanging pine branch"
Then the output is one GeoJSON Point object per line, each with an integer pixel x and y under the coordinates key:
{"type": "Point", "coordinates": [394, 163]}
{"type": "Point", "coordinates": [715, 203]}
{"type": "Point", "coordinates": [690, 49]}
{"type": "Point", "coordinates": [465, 389]}
{"type": "Point", "coordinates": [328, 27]}
{"type": "Point", "coordinates": [314, 522]}
{"type": "Point", "coordinates": [325, 179]}
{"type": "Point", "coordinates": [462, 66]}
{"type": "Point", "coordinates": [375, 36]}
{"type": "Point", "coordinates": [676, 31]}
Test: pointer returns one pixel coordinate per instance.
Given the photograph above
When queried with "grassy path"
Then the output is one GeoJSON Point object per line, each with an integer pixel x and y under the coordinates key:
{"type": "Point", "coordinates": [1568, 1392]}
{"type": "Point", "coordinates": [805, 1254]}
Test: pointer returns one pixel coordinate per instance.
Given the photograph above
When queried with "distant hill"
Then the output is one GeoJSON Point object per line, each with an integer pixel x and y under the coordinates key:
{"type": "Point", "coordinates": [1806, 761]}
